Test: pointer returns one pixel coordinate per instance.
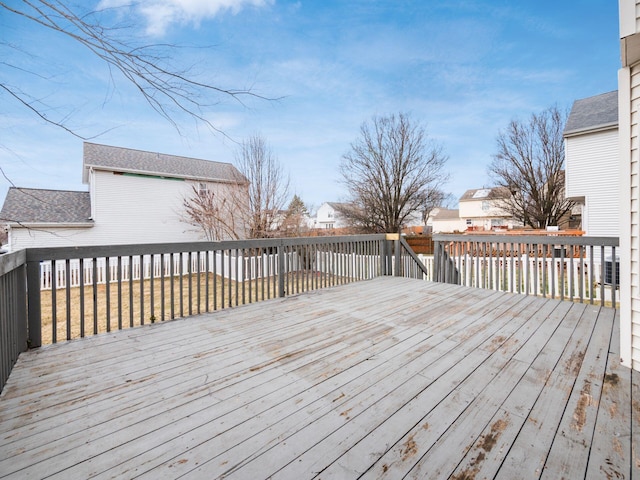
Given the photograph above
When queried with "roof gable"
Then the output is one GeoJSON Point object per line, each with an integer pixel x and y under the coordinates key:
{"type": "Point", "coordinates": [446, 214]}
{"type": "Point", "coordinates": [593, 113]}
{"type": "Point", "coordinates": [118, 159]}
{"type": "Point", "coordinates": [30, 205]}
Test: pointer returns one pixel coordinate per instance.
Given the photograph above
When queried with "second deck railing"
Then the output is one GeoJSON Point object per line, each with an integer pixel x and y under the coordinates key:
{"type": "Point", "coordinates": [582, 269]}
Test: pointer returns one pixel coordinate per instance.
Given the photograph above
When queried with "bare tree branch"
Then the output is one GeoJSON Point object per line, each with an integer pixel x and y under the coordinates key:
{"type": "Point", "coordinates": [150, 68]}
{"type": "Point", "coordinates": [215, 212]}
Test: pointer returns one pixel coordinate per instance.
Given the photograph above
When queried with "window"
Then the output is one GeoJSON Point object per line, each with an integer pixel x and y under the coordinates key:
{"type": "Point", "coordinates": [485, 206]}
{"type": "Point", "coordinates": [469, 222]}
{"type": "Point", "coordinates": [202, 189]}
{"type": "Point", "coordinates": [329, 226]}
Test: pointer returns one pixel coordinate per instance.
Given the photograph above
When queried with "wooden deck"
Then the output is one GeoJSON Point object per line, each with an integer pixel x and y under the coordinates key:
{"type": "Point", "coordinates": [389, 378]}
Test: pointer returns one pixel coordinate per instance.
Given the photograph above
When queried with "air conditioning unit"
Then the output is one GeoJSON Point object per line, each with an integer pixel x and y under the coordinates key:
{"type": "Point", "coordinates": [608, 271]}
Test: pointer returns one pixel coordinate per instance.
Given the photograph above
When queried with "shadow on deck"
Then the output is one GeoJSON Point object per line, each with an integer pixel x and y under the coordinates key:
{"type": "Point", "coordinates": [388, 378]}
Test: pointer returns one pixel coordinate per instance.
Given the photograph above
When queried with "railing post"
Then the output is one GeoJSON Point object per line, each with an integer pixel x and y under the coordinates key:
{"type": "Point", "coordinates": [396, 254]}
{"type": "Point", "coordinates": [281, 271]}
{"type": "Point", "coordinates": [34, 309]}
{"type": "Point", "coordinates": [391, 269]}
{"type": "Point", "coordinates": [21, 309]}
{"type": "Point", "coordinates": [384, 257]}
{"type": "Point", "coordinates": [436, 261]}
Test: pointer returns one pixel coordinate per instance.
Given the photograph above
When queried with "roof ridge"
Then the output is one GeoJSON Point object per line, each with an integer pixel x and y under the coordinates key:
{"type": "Point", "coordinates": [47, 189]}
{"type": "Point", "coordinates": [156, 153]}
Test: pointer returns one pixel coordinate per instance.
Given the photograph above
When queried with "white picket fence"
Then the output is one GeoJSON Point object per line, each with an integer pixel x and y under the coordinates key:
{"type": "Point", "coordinates": [562, 278]}
{"type": "Point", "coordinates": [232, 267]}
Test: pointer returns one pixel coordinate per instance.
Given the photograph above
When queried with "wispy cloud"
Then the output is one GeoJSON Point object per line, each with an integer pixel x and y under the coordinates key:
{"type": "Point", "coordinates": [160, 14]}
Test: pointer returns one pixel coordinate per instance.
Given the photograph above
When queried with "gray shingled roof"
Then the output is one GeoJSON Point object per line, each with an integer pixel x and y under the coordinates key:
{"type": "Point", "coordinates": [593, 113]}
{"type": "Point", "coordinates": [447, 214]}
{"type": "Point", "coordinates": [485, 194]}
{"type": "Point", "coordinates": [30, 205]}
{"type": "Point", "coordinates": [150, 163]}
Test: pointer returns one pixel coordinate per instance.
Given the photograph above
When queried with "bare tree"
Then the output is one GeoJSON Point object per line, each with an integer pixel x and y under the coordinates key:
{"type": "Point", "coordinates": [389, 173]}
{"type": "Point", "coordinates": [530, 164]}
{"type": "Point", "coordinates": [215, 213]}
{"type": "Point", "coordinates": [151, 68]}
{"type": "Point", "coordinates": [268, 188]}
{"type": "Point", "coordinates": [295, 219]}
{"type": "Point", "coordinates": [435, 198]}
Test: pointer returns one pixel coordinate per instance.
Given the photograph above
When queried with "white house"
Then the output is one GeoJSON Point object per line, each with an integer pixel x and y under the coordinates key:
{"type": "Point", "coordinates": [592, 175]}
{"type": "Point", "coordinates": [328, 216]}
{"type": "Point", "coordinates": [629, 135]}
{"type": "Point", "coordinates": [480, 209]}
{"type": "Point", "coordinates": [133, 197]}
{"type": "Point", "coordinates": [445, 220]}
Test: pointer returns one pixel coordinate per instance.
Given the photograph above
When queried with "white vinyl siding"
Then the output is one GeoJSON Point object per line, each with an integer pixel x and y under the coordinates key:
{"type": "Point", "coordinates": [481, 209]}
{"type": "Point", "coordinates": [140, 209]}
{"type": "Point", "coordinates": [629, 106]}
{"type": "Point", "coordinates": [328, 217]}
{"type": "Point", "coordinates": [592, 172]}
{"type": "Point", "coordinates": [126, 209]}
{"type": "Point", "coordinates": [635, 220]}
{"type": "Point", "coordinates": [36, 237]}
{"type": "Point", "coordinates": [449, 225]}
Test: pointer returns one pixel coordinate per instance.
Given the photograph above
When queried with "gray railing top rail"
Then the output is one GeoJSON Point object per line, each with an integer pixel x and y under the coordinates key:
{"type": "Point", "coordinates": [549, 239]}
{"type": "Point", "coordinates": [11, 261]}
{"type": "Point", "coordinates": [63, 253]}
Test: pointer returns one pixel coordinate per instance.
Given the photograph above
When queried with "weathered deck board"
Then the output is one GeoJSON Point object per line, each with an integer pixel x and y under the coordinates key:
{"type": "Point", "coordinates": [390, 378]}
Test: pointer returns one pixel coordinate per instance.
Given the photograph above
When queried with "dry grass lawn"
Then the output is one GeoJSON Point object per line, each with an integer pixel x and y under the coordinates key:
{"type": "Point", "coordinates": [109, 316]}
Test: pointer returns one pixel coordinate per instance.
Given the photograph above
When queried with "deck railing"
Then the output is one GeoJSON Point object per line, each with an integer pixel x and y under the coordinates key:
{"type": "Point", "coordinates": [49, 295]}
{"type": "Point", "coordinates": [13, 311]}
{"type": "Point", "coordinates": [582, 269]}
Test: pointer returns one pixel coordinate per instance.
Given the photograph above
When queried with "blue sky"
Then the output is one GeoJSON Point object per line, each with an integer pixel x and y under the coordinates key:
{"type": "Point", "coordinates": [463, 69]}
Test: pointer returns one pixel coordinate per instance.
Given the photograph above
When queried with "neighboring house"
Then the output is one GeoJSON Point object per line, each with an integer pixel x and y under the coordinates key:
{"type": "Point", "coordinates": [480, 209]}
{"type": "Point", "coordinates": [133, 197]}
{"type": "Point", "coordinates": [444, 220]}
{"type": "Point", "coordinates": [328, 216]}
{"type": "Point", "coordinates": [592, 174]}
{"type": "Point", "coordinates": [629, 134]}
{"type": "Point", "coordinates": [54, 216]}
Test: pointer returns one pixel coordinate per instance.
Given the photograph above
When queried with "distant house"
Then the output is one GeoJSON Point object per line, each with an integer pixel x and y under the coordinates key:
{"type": "Point", "coordinates": [328, 216]}
{"type": "Point", "coordinates": [444, 220]}
{"type": "Point", "coordinates": [480, 209]}
{"type": "Point", "coordinates": [133, 197]}
{"type": "Point", "coordinates": [592, 172]}
{"type": "Point", "coordinates": [31, 214]}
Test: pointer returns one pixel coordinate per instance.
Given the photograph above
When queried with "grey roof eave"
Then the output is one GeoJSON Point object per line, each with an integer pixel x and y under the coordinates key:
{"type": "Point", "coordinates": [593, 129]}
{"type": "Point", "coordinates": [13, 224]}
{"type": "Point", "coordinates": [103, 168]}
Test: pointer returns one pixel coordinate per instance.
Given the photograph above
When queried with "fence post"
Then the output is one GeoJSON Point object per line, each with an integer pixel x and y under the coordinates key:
{"type": "Point", "coordinates": [34, 309]}
{"type": "Point", "coordinates": [281, 271]}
